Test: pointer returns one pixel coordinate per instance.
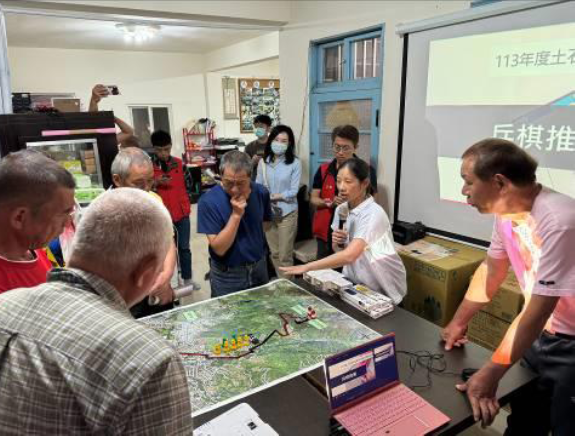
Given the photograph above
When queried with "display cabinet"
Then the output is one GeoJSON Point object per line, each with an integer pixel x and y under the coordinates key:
{"type": "Point", "coordinates": [80, 157]}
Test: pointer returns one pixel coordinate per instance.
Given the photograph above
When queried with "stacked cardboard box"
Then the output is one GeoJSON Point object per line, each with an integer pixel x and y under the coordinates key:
{"type": "Point", "coordinates": [89, 161]}
{"type": "Point", "coordinates": [488, 326]}
{"type": "Point", "coordinates": [438, 274]}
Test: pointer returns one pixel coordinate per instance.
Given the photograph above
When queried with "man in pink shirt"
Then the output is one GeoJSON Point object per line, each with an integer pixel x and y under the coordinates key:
{"type": "Point", "coordinates": [534, 232]}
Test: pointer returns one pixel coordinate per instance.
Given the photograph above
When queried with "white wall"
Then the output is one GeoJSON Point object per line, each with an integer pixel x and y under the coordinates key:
{"type": "Point", "coordinates": [258, 10]}
{"type": "Point", "coordinates": [245, 52]}
{"type": "Point", "coordinates": [143, 78]}
{"type": "Point", "coordinates": [231, 128]}
{"type": "Point", "coordinates": [190, 83]}
{"type": "Point", "coordinates": [321, 19]}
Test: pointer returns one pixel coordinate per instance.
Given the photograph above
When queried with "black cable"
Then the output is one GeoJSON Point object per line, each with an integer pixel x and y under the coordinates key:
{"type": "Point", "coordinates": [432, 363]}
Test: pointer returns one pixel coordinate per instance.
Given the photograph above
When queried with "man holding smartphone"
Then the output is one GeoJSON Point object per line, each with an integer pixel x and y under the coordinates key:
{"type": "Point", "coordinates": [171, 186]}
{"type": "Point", "coordinates": [126, 136]}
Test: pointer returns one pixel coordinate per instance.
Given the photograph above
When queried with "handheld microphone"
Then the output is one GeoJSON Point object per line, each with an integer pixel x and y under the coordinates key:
{"type": "Point", "coordinates": [183, 291]}
{"type": "Point", "coordinates": [343, 214]}
{"type": "Point", "coordinates": [179, 292]}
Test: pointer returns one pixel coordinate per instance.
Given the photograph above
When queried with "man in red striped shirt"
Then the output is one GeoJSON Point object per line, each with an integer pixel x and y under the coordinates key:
{"type": "Point", "coordinates": [36, 203]}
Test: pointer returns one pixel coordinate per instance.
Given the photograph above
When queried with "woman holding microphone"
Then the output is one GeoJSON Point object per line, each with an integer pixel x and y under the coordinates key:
{"type": "Point", "coordinates": [363, 244]}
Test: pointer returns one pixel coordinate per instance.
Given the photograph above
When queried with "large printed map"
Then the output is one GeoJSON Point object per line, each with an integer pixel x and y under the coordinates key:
{"type": "Point", "coordinates": [284, 342]}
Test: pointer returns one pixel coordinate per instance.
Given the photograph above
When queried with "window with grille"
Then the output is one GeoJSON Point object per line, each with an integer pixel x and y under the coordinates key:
{"type": "Point", "coordinates": [148, 118]}
{"type": "Point", "coordinates": [349, 59]}
{"type": "Point", "coordinates": [346, 78]}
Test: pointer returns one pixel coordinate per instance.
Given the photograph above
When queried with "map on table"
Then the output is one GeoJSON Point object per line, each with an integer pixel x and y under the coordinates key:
{"type": "Point", "coordinates": [245, 342]}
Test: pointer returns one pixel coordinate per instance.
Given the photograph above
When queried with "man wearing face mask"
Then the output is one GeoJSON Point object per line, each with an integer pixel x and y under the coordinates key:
{"type": "Point", "coordinates": [233, 217]}
{"type": "Point", "coordinates": [36, 204]}
{"type": "Point", "coordinates": [256, 148]}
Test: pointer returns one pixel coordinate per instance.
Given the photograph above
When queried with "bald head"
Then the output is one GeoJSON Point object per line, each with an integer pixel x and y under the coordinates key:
{"type": "Point", "coordinates": [123, 235]}
{"type": "Point", "coordinates": [30, 179]}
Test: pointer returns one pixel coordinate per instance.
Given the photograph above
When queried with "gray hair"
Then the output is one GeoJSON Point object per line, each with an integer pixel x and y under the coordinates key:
{"type": "Point", "coordinates": [30, 178]}
{"type": "Point", "coordinates": [237, 161]}
{"type": "Point", "coordinates": [127, 158]}
{"type": "Point", "coordinates": [120, 228]}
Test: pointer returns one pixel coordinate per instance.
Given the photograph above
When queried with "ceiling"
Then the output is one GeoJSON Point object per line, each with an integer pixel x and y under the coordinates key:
{"type": "Point", "coordinates": [71, 33]}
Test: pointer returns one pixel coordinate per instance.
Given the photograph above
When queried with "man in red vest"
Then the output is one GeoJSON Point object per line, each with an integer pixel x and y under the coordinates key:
{"type": "Point", "coordinates": [324, 194]}
{"type": "Point", "coordinates": [171, 186]}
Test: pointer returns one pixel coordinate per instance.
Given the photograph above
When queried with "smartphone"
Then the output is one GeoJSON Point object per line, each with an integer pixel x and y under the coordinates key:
{"type": "Point", "coordinates": [113, 90]}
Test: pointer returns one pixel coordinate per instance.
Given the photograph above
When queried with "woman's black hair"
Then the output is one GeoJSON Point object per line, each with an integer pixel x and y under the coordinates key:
{"type": "Point", "coordinates": [360, 169]}
{"type": "Point", "coordinates": [290, 152]}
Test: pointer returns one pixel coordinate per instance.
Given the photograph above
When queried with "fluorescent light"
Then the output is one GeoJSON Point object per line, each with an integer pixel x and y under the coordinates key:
{"type": "Point", "coordinates": [138, 32]}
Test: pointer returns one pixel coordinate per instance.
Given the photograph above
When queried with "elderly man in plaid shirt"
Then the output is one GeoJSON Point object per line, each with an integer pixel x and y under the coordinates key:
{"type": "Point", "coordinates": [72, 358]}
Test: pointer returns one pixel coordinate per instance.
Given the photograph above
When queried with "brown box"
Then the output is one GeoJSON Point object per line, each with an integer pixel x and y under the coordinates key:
{"type": "Point", "coordinates": [508, 301]}
{"type": "Point", "coordinates": [487, 330]}
{"type": "Point", "coordinates": [488, 326]}
{"type": "Point", "coordinates": [436, 286]}
{"type": "Point", "coordinates": [66, 104]}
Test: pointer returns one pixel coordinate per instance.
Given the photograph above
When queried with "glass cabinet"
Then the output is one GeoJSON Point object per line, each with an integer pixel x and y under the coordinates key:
{"type": "Point", "coordinates": [79, 157]}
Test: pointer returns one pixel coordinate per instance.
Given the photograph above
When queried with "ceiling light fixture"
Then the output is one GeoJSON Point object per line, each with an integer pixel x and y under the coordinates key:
{"type": "Point", "coordinates": [138, 32]}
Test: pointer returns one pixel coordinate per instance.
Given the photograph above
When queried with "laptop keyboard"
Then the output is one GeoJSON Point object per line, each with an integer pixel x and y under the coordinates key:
{"type": "Point", "coordinates": [336, 429]}
{"type": "Point", "coordinates": [381, 410]}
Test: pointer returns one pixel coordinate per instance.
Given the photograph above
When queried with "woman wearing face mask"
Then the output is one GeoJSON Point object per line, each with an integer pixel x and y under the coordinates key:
{"type": "Point", "coordinates": [363, 245]}
{"type": "Point", "coordinates": [280, 172]}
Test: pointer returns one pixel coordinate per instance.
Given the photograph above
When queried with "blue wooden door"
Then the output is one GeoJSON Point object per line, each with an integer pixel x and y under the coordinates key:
{"type": "Point", "coordinates": [359, 108]}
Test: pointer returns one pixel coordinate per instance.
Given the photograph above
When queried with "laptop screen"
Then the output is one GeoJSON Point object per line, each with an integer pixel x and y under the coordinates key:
{"type": "Point", "coordinates": [361, 370]}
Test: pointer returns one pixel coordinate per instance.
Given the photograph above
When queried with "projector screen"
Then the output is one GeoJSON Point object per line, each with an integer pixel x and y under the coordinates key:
{"type": "Point", "coordinates": [510, 76]}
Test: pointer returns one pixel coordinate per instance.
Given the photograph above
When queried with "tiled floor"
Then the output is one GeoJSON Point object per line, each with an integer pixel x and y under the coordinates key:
{"type": "Point", "coordinates": [200, 266]}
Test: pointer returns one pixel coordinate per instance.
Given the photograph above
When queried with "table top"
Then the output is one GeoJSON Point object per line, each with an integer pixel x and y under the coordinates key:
{"type": "Point", "coordinates": [293, 407]}
{"type": "Point", "coordinates": [299, 406]}
{"type": "Point", "coordinates": [413, 333]}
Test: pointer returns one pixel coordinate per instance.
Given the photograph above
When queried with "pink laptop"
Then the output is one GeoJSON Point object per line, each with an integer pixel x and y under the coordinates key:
{"type": "Point", "coordinates": [367, 398]}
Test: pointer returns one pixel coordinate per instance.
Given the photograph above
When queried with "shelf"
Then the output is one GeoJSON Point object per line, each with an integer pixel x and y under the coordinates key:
{"type": "Point", "coordinates": [196, 149]}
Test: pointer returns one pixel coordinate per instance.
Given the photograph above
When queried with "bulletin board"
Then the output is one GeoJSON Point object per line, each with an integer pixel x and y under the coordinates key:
{"type": "Point", "coordinates": [258, 97]}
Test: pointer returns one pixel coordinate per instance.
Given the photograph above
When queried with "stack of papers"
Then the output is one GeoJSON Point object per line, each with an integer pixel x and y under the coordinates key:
{"type": "Point", "coordinates": [360, 296]}
{"type": "Point", "coordinates": [367, 300]}
{"type": "Point", "coordinates": [242, 420]}
{"type": "Point", "coordinates": [327, 280]}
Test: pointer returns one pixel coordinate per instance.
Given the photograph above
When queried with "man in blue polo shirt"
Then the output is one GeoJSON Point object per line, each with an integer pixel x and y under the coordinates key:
{"type": "Point", "coordinates": [233, 216]}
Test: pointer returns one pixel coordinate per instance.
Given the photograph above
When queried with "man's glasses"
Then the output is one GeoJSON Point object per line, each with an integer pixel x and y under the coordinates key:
{"type": "Point", "coordinates": [75, 209]}
{"type": "Point", "coordinates": [342, 148]}
{"type": "Point", "coordinates": [229, 184]}
{"type": "Point", "coordinates": [143, 184]}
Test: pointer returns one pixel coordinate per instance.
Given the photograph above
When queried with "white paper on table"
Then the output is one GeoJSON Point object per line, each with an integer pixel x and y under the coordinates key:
{"type": "Point", "coordinates": [242, 420]}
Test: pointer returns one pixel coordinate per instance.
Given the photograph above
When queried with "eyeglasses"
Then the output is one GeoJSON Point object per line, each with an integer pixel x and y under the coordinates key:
{"type": "Point", "coordinates": [143, 184]}
{"type": "Point", "coordinates": [342, 148]}
{"type": "Point", "coordinates": [75, 209]}
{"type": "Point", "coordinates": [229, 184]}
